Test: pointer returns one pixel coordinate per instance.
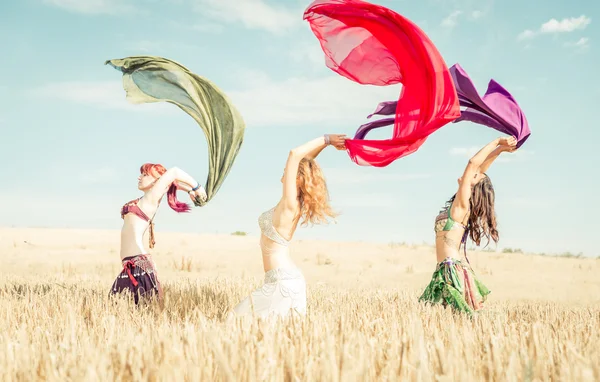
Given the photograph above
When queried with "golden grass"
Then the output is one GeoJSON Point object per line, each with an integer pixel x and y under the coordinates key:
{"type": "Point", "coordinates": [542, 321]}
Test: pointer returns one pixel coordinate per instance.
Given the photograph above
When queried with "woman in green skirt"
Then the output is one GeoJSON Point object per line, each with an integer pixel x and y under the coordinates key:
{"type": "Point", "coordinates": [469, 213]}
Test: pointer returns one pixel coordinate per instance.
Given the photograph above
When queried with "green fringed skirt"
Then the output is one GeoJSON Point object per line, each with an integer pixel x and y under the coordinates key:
{"type": "Point", "coordinates": [454, 283]}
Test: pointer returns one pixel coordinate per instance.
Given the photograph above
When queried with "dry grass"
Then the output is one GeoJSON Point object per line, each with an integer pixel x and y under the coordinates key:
{"type": "Point", "coordinates": [56, 323]}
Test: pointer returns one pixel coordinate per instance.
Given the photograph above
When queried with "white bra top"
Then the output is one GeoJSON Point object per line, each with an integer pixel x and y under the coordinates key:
{"type": "Point", "coordinates": [265, 222]}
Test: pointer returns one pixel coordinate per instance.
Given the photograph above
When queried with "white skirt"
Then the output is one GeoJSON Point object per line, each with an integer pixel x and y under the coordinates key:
{"type": "Point", "coordinates": [283, 292]}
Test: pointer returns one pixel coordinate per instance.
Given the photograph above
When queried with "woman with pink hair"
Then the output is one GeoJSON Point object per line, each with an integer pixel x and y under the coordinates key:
{"type": "Point", "coordinates": [139, 273]}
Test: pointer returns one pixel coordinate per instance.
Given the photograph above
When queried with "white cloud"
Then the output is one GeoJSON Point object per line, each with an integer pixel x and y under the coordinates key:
{"type": "Point", "coordinates": [476, 14]}
{"type": "Point", "coordinates": [526, 35]}
{"type": "Point", "coordinates": [580, 45]}
{"type": "Point", "coordinates": [90, 7]}
{"type": "Point", "coordinates": [100, 176]}
{"type": "Point", "coordinates": [565, 25]}
{"type": "Point", "coordinates": [452, 20]}
{"type": "Point", "coordinates": [555, 26]}
{"type": "Point", "coordinates": [99, 94]}
{"type": "Point", "coordinates": [469, 152]}
{"type": "Point", "coordinates": [582, 41]}
{"type": "Point", "coordinates": [253, 14]}
{"type": "Point", "coordinates": [300, 101]}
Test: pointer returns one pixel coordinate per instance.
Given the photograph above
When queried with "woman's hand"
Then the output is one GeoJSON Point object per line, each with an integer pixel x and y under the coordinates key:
{"type": "Point", "coordinates": [508, 149]}
{"type": "Point", "coordinates": [508, 144]}
{"type": "Point", "coordinates": [507, 141]}
{"type": "Point", "coordinates": [338, 141]}
{"type": "Point", "coordinates": [198, 195]}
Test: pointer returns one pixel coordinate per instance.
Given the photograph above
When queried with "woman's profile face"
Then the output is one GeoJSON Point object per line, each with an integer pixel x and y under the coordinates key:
{"type": "Point", "coordinates": [145, 181]}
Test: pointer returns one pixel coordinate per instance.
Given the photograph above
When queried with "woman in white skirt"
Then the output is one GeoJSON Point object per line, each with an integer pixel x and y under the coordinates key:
{"type": "Point", "coordinates": [304, 197]}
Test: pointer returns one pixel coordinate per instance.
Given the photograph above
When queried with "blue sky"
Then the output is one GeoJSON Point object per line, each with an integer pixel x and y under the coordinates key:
{"type": "Point", "coordinates": [71, 146]}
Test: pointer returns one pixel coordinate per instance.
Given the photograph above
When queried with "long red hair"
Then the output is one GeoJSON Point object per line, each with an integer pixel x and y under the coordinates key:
{"type": "Point", "coordinates": [157, 170]}
{"type": "Point", "coordinates": [313, 194]}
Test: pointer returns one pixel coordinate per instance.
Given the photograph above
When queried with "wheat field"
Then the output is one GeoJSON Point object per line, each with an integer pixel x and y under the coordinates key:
{"type": "Point", "coordinates": [364, 323]}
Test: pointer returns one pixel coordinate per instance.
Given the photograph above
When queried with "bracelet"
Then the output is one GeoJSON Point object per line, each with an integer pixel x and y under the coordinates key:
{"type": "Point", "coordinates": [197, 187]}
{"type": "Point", "coordinates": [327, 141]}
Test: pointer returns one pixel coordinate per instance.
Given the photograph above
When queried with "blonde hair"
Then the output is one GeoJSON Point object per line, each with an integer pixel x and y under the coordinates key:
{"type": "Point", "coordinates": [312, 193]}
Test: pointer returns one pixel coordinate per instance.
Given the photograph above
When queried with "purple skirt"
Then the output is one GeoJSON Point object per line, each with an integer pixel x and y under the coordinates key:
{"type": "Point", "coordinates": [139, 278]}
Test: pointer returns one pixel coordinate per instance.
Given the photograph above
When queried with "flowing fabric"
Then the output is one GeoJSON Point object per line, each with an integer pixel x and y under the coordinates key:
{"type": "Point", "coordinates": [154, 79]}
{"type": "Point", "coordinates": [454, 284]}
{"type": "Point", "coordinates": [371, 44]}
{"type": "Point", "coordinates": [138, 277]}
{"type": "Point", "coordinates": [496, 109]}
{"type": "Point", "coordinates": [282, 293]}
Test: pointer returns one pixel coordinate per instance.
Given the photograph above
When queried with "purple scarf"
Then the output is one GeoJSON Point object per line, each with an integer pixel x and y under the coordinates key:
{"type": "Point", "coordinates": [497, 109]}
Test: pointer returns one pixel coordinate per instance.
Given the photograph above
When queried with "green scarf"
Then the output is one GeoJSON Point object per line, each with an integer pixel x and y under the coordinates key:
{"type": "Point", "coordinates": [154, 79]}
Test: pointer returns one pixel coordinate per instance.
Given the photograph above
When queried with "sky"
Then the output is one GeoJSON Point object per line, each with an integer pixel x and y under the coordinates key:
{"type": "Point", "coordinates": [71, 145]}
